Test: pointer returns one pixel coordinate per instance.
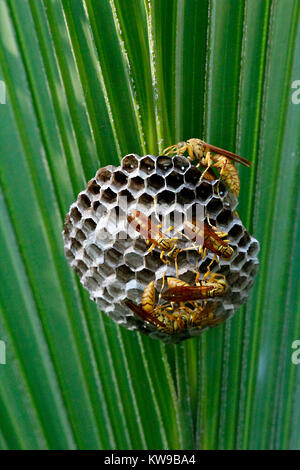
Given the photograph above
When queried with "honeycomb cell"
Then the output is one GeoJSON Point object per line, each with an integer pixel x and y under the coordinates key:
{"type": "Point", "coordinates": [214, 207]}
{"type": "Point", "coordinates": [245, 240]}
{"type": "Point", "coordinates": [133, 259]}
{"type": "Point", "coordinates": [147, 165]}
{"type": "Point", "coordinates": [136, 185]}
{"type": "Point", "coordinates": [119, 180]}
{"type": "Point", "coordinates": [130, 163]}
{"type": "Point", "coordinates": [145, 202]}
{"type": "Point", "coordinates": [114, 264]}
{"type": "Point", "coordinates": [113, 257]}
{"type": "Point", "coordinates": [124, 273]}
{"type": "Point", "coordinates": [204, 191]}
{"type": "Point", "coordinates": [103, 176]}
{"type": "Point", "coordinates": [84, 202]}
{"type": "Point", "coordinates": [220, 189]}
{"type": "Point", "coordinates": [108, 197]}
{"type": "Point", "coordinates": [75, 215]}
{"type": "Point", "coordinates": [253, 248]}
{"type": "Point", "coordinates": [88, 226]}
{"type": "Point", "coordinates": [225, 217]}
{"type": "Point", "coordinates": [181, 164]}
{"type": "Point", "coordinates": [166, 197]}
{"type": "Point", "coordinates": [145, 276]}
{"type": "Point", "coordinates": [75, 245]}
{"type": "Point", "coordinates": [126, 195]}
{"type": "Point", "coordinates": [164, 165]}
{"type": "Point", "coordinates": [155, 183]}
{"type": "Point", "coordinates": [93, 187]}
{"type": "Point", "coordinates": [174, 180]}
{"type": "Point", "coordinates": [191, 177]}
{"type": "Point", "coordinates": [235, 232]}
{"type": "Point", "coordinates": [185, 196]}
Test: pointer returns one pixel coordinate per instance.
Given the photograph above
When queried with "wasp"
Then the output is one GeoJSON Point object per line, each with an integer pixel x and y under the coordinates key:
{"type": "Point", "coordinates": [209, 157]}
{"type": "Point", "coordinates": [169, 318]}
{"type": "Point", "coordinates": [215, 286]}
{"type": "Point", "coordinates": [152, 234]}
{"type": "Point", "coordinates": [212, 239]}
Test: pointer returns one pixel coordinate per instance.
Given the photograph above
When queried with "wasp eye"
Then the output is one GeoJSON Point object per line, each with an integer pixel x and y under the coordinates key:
{"type": "Point", "coordinates": [181, 144]}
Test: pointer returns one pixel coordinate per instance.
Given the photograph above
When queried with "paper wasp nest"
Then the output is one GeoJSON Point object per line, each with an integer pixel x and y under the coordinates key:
{"type": "Point", "coordinates": [114, 267]}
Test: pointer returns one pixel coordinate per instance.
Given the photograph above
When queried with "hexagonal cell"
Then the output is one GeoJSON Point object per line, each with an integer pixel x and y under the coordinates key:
{"type": "Point", "coordinates": [166, 197]}
{"type": "Point", "coordinates": [155, 183]}
{"type": "Point", "coordinates": [235, 232]}
{"type": "Point", "coordinates": [88, 226]}
{"type": "Point", "coordinates": [81, 266]}
{"type": "Point", "coordinates": [113, 257]}
{"type": "Point", "coordinates": [144, 276]}
{"type": "Point", "coordinates": [84, 202]}
{"type": "Point", "coordinates": [93, 187]}
{"type": "Point", "coordinates": [220, 189]}
{"type": "Point", "coordinates": [152, 260]}
{"type": "Point", "coordinates": [108, 196]}
{"type": "Point", "coordinates": [90, 283]}
{"type": "Point", "coordinates": [181, 164]}
{"type": "Point", "coordinates": [185, 196]}
{"type": "Point", "coordinates": [140, 245]}
{"type": "Point", "coordinates": [147, 165]}
{"type": "Point", "coordinates": [145, 202]}
{"type": "Point", "coordinates": [88, 260]}
{"type": "Point", "coordinates": [225, 217]}
{"type": "Point", "coordinates": [174, 180]}
{"type": "Point", "coordinates": [239, 260]}
{"type": "Point", "coordinates": [75, 245]}
{"type": "Point", "coordinates": [102, 304]}
{"type": "Point", "coordinates": [164, 165]}
{"type": "Point", "coordinates": [133, 259]}
{"type": "Point", "coordinates": [106, 295]}
{"type": "Point", "coordinates": [105, 270]}
{"type": "Point", "coordinates": [103, 175]}
{"type": "Point", "coordinates": [75, 215]}
{"type": "Point", "coordinates": [192, 177]}
{"type": "Point", "coordinates": [136, 184]}
{"type": "Point", "coordinates": [130, 163]}
{"type": "Point", "coordinates": [253, 249]}
{"type": "Point", "coordinates": [133, 290]}
{"type": "Point", "coordinates": [80, 236]}
{"type": "Point", "coordinates": [69, 255]}
{"type": "Point", "coordinates": [124, 273]}
{"type": "Point", "coordinates": [95, 252]}
{"type": "Point", "coordinates": [245, 240]}
{"type": "Point", "coordinates": [97, 276]}
{"type": "Point", "coordinates": [127, 196]}
{"type": "Point", "coordinates": [204, 191]}
{"type": "Point", "coordinates": [213, 207]}
{"type": "Point", "coordinates": [115, 289]}
{"type": "Point", "coordinates": [119, 179]}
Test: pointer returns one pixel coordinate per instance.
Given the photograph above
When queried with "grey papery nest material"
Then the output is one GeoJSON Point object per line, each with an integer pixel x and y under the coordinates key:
{"type": "Point", "coordinates": [114, 267]}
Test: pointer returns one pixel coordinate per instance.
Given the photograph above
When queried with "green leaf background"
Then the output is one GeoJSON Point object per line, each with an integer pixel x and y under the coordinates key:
{"type": "Point", "coordinates": [88, 81]}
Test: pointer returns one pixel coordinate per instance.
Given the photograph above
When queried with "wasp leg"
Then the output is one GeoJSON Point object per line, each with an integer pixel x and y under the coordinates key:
{"type": "Point", "coordinates": [208, 163]}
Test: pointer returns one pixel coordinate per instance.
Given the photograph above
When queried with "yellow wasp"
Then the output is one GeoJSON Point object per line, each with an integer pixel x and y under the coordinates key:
{"type": "Point", "coordinates": [175, 319]}
{"type": "Point", "coordinates": [209, 157]}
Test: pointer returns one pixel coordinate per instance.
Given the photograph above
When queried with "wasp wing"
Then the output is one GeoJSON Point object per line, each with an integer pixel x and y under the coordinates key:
{"type": "Point", "coordinates": [140, 312]}
{"type": "Point", "coordinates": [230, 155]}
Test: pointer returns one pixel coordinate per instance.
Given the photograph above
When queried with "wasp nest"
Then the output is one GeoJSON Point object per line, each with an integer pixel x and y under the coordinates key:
{"type": "Point", "coordinates": [115, 265]}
